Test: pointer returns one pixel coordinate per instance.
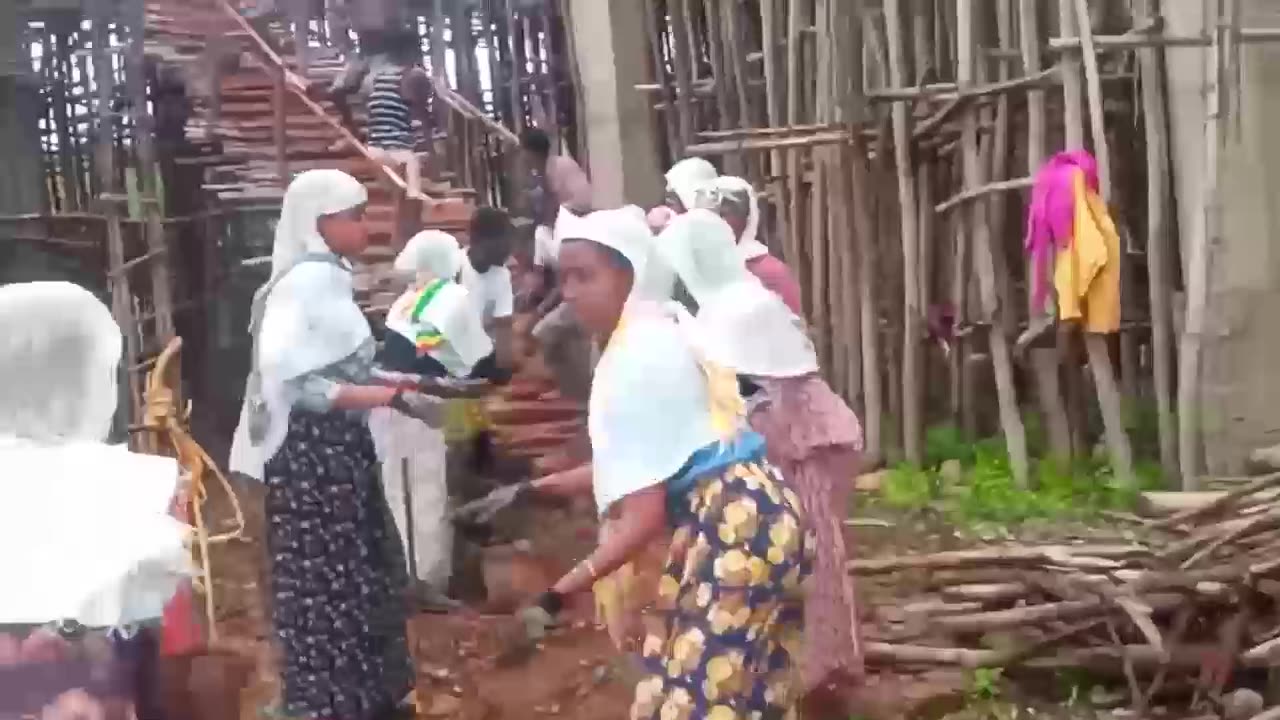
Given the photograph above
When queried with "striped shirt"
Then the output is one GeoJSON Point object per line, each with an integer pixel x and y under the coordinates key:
{"type": "Point", "coordinates": [390, 121]}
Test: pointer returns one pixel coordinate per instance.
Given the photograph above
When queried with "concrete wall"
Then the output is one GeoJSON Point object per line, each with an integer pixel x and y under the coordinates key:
{"type": "Point", "coordinates": [610, 43]}
{"type": "Point", "coordinates": [1241, 395]}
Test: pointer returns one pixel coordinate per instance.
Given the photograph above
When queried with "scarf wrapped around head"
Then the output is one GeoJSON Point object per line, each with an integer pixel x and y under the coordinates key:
{"type": "Point", "coordinates": [1051, 211]}
{"type": "Point", "coordinates": [85, 531]}
{"type": "Point", "coordinates": [687, 177]}
{"type": "Point", "coordinates": [438, 310]}
{"type": "Point", "coordinates": [739, 192]}
{"type": "Point", "coordinates": [304, 319]}
{"type": "Point", "coordinates": [740, 324]}
{"type": "Point", "coordinates": [650, 408]}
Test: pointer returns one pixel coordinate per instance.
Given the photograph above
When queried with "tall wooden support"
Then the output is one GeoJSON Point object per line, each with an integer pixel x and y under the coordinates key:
{"type": "Point", "coordinates": [279, 124]}
{"type": "Point", "coordinates": [1074, 13]}
{"type": "Point", "coordinates": [912, 329]}
{"type": "Point", "coordinates": [144, 145]}
{"type": "Point", "coordinates": [1010, 417]}
{"type": "Point", "coordinates": [104, 165]}
{"type": "Point", "coordinates": [1156, 124]}
{"type": "Point", "coordinates": [1203, 237]}
{"type": "Point", "coordinates": [1044, 361]}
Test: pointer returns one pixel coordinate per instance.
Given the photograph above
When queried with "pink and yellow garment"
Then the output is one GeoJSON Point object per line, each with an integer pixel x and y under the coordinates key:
{"type": "Point", "coordinates": [1069, 219]}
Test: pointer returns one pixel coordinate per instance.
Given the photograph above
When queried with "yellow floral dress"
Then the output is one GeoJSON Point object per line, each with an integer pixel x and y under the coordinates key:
{"type": "Point", "coordinates": [729, 617]}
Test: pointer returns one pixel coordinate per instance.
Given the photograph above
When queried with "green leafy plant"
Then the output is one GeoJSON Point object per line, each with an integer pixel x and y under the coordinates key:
{"type": "Point", "coordinates": [984, 684]}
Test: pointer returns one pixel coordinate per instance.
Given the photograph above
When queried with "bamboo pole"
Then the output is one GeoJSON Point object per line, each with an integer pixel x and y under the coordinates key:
{"type": "Point", "coordinates": [1044, 361]}
{"type": "Point", "coordinates": [912, 363]}
{"type": "Point", "coordinates": [144, 144]}
{"type": "Point", "coordinates": [1096, 345]}
{"type": "Point", "coordinates": [683, 62]}
{"type": "Point", "coordinates": [104, 165]}
{"type": "Point", "coordinates": [1203, 237]}
{"type": "Point", "coordinates": [1155, 125]}
{"type": "Point", "coordinates": [1010, 419]}
{"type": "Point", "coordinates": [279, 125]}
{"type": "Point", "coordinates": [660, 75]}
{"type": "Point", "coordinates": [793, 184]}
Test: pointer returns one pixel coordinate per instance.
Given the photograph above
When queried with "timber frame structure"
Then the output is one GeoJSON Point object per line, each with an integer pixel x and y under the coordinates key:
{"type": "Point", "coordinates": [150, 142]}
{"type": "Point", "coordinates": [895, 139]}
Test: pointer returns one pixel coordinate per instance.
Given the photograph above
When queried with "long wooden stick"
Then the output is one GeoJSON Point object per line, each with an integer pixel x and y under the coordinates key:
{"type": "Point", "coordinates": [912, 391]}
{"type": "Point", "coordinates": [1010, 416]}
{"type": "Point", "coordinates": [1159, 286]}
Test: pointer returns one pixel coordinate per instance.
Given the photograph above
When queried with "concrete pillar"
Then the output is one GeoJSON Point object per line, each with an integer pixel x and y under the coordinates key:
{"type": "Point", "coordinates": [1240, 396]}
{"type": "Point", "coordinates": [610, 42]}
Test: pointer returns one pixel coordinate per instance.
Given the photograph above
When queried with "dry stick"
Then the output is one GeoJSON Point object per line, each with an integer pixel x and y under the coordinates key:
{"type": "Point", "coordinates": [1099, 357]}
{"type": "Point", "coordinates": [868, 280]}
{"type": "Point", "coordinates": [999, 170]}
{"type": "Point", "coordinates": [737, 61]}
{"type": "Point", "coordinates": [144, 145]}
{"type": "Point", "coordinates": [912, 363]}
{"type": "Point", "coordinates": [660, 74]}
{"type": "Point", "coordinates": [793, 184]}
{"type": "Point", "coordinates": [1260, 523]}
{"type": "Point", "coordinates": [680, 46]}
{"type": "Point", "coordinates": [773, 89]}
{"type": "Point", "coordinates": [1203, 238]}
{"type": "Point", "coordinates": [1044, 361]}
{"type": "Point", "coordinates": [1155, 125]}
{"type": "Point", "coordinates": [1018, 556]}
{"type": "Point", "coordinates": [1259, 484]}
{"type": "Point", "coordinates": [1010, 419]}
{"type": "Point", "coordinates": [104, 164]}
{"type": "Point", "coordinates": [720, 76]}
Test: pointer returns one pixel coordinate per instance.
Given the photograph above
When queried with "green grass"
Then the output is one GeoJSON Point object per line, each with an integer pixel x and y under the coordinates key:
{"type": "Point", "coordinates": [984, 491]}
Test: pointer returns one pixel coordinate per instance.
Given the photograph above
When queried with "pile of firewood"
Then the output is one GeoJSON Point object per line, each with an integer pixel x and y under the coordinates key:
{"type": "Point", "coordinates": [1176, 617]}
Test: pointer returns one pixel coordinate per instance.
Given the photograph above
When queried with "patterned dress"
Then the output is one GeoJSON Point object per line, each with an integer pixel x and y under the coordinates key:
{"type": "Point", "coordinates": [816, 439]}
{"type": "Point", "coordinates": [729, 615]}
{"type": "Point", "coordinates": [338, 575]}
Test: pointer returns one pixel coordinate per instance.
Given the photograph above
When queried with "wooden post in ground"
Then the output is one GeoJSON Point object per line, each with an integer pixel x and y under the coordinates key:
{"type": "Point", "coordinates": [1203, 237]}
{"type": "Point", "coordinates": [144, 144]}
{"type": "Point", "coordinates": [912, 389]}
{"type": "Point", "coordinates": [1076, 12]}
{"type": "Point", "coordinates": [1155, 124]}
{"type": "Point", "coordinates": [1010, 417]}
{"type": "Point", "coordinates": [1044, 361]}
{"type": "Point", "coordinates": [104, 166]}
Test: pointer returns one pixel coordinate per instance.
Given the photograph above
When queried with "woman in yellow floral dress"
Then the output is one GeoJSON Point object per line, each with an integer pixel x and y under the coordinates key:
{"type": "Point", "coordinates": [671, 449]}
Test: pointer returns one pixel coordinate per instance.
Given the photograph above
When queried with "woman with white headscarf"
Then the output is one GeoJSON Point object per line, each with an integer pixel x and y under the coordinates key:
{"type": "Point", "coordinates": [86, 539]}
{"type": "Point", "coordinates": [685, 180]}
{"type": "Point", "coordinates": [671, 451]}
{"type": "Point", "coordinates": [433, 330]}
{"type": "Point", "coordinates": [736, 202]}
{"type": "Point", "coordinates": [337, 567]}
{"type": "Point", "coordinates": [812, 435]}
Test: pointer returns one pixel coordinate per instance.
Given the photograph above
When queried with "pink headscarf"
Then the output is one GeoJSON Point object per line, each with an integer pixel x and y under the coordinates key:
{"type": "Point", "coordinates": [1050, 217]}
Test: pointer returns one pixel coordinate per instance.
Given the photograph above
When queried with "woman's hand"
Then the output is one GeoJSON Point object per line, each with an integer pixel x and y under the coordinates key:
{"type": "Point", "coordinates": [566, 483]}
{"type": "Point", "coordinates": [428, 409]}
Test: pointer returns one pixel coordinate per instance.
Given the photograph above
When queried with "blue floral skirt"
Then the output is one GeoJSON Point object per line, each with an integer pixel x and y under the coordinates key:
{"type": "Point", "coordinates": [337, 572]}
{"type": "Point", "coordinates": [729, 617]}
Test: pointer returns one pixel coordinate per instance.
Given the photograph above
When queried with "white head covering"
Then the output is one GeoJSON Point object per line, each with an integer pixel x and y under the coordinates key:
{"type": "Point", "coordinates": [687, 177]}
{"type": "Point", "coordinates": [650, 406]}
{"type": "Point", "coordinates": [309, 318]}
{"type": "Point", "coordinates": [740, 323]}
{"type": "Point", "coordinates": [85, 533]}
{"type": "Point", "coordinates": [739, 191]}
{"type": "Point", "coordinates": [432, 252]}
{"type": "Point", "coordinates": [436, 255]}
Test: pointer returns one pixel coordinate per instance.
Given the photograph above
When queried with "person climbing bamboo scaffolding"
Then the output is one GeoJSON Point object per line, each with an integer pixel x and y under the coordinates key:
{"type": "Point", "coordinates": [397, 92]}
{"type": "Point", "coordinates": [433, 330]}
{"type": "Point", "coordinates": [670, 451]}
{"type": "Point", "coordinates": [337, 566]}
{"type": "Point", "coordinates": [811, 434]}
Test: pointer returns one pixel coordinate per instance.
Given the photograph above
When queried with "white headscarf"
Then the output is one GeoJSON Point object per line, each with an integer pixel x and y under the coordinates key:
{"type": "Point", "coordinates": [436, 255]}
{"type": "Point", "coordinates": [687, 177]}
{"type": "Point", "coordinates": [740, 323]}
{"type": "Point", "coordinates": [309, 318]}
{"type": "Point", "coordinates": [739, 191]}
{"type": "Point", "coordinates": [85, 532]}
{"type": "Point", "coordinates": [650, 406]}
{"type": "Point", "coordinates": [432, 252]}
